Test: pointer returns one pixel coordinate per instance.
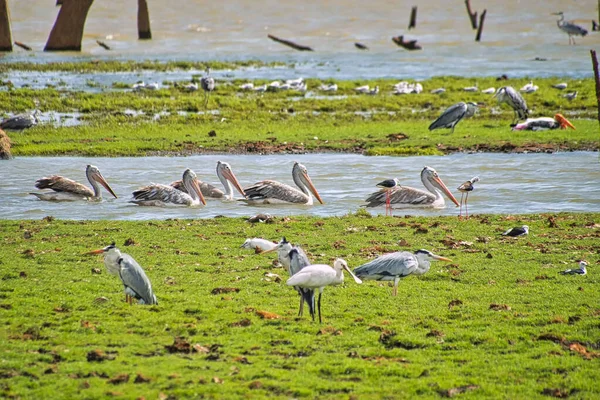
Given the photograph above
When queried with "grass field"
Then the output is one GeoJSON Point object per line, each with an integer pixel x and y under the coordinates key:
{"type": "Point", "coordinates": [497, 322]}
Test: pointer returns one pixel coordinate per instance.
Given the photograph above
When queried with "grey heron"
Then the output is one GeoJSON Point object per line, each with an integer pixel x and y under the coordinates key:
{"type": "Point", "coordinates": [508, 95]}
{"type": "Point", "coordinates": [405, 196]}
{"type": "Point", "coordinates": [273, 192]}
{"type": "Point", "coordinates": [452, 116]}
{"type": "Point", "coordinates": [65, 189]}
{"type": "Point", "coordinates": [467, 188]}
{"type": "Point", "coordinates": [398, 265]}
{"type": "Point", "coordinates": [136, 283]}
{"type": "Point", "coordinates": [160, 195]}
{"type": "Point", "coordinates": [517, 231]}
{"type": "Point", "coordinates": [227, 178]}
{"type": "Point", "coordinates": [317, 276]}
{"type": "Point", "coordinates": [570, 28]}
{"type": "Point", "coordinates": [208, 85]}
{"type": "Point", "coordinates": [21, 121]}
{"type": "Point", "coordinates": [582, 270]}
{"type": "Point", "coordinates": [544, 123]}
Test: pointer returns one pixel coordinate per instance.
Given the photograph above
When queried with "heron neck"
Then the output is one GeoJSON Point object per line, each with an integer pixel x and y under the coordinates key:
{"type": "Point", "coordinates": [423, 267]}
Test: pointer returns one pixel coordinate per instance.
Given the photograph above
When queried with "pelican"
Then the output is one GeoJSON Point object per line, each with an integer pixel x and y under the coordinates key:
{"type": "Point", "coordinates": [317, 276]}
{"type": "Point", "coordinates": [576, 271]}
{"type": "Point", "coordinates": [569, 28]}
{"type": "Point", "coordinates": [404, 196]}
{"type": "Point", "coordinates": [160, 195]}
{"type": "Point", "coordinates": [208, 85]}
{"type": "Point", "coordinates": [259, 245]}
{"type": "Point", "coordinates": [273, 192]}
{"type": "Point", "coordinates": [395, 266]}
{"type": "Point", "coordinates": [386, 186]}
{"type": "Point", "coordinates": [227, 178]}
{"type": "Point", "coordinates": [136, 283]}
{"type": "Point", "coordinates": [544, 123]}
{"type": "Point", "coordinates": [467, 188]}
{"type": "Point", "coordinates": [560, 86]}
{"type": "Point", "coordinates": [517, 231]}
{"type": "Point", "coordinates": [65, 189]}
{"type": "Point", "coordinates": [21, 121]}
{"type": "Point", "coordinates": [490, 90]}
{"type": "Point", "coordinates": [453, 115]}
{"type": "Point", "coordinates": [508, 95]}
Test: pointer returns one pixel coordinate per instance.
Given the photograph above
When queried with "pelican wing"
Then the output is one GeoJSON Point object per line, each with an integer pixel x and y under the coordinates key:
{"type": "Point", "coordinates": [401, 195]}
{"type": "Point", "coordinates": [134, 278]}
{"type": "Point", "coordinates": [450, 117]}
{"type": "Point", "coordinates": [268, 189]}
{"type": "Point", "coordinates": [388, 266]}
{"type": "Point", "coordinates": [61, 184]}
{"type": "Point", "coordinates": [160, 193]}
{"type": "Point", "coordinates": [207, 189]}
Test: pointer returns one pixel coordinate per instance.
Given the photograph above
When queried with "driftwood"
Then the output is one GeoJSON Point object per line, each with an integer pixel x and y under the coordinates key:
{"type": "Point", "coordinates": [595, 26]}
{"type": "Point", "coordinates": [361, 46]}
{"type": "Point", "coordinates": [4, 146]}
{"type": "Point", "coordinates": [472, 15]}
{"type": "Point", "coordinates": [290, 43]}
{"type": "Point", "coordinates": [103, 45]}
{"type": "Point", "coordinates": [68, 28]}
{"type": "Point", "coordinates": [5, 35]}
{"type": "Point", "coordinates": [23, 46]}
{"type": "Point", "coordinates": [480, 29]}
{"type": "Point", "coordinates": [413, 18]}
{"type": "Point", "coordinates": [597, 78]}
{"type": "Point", "coordinates": [408, 44]}
{"type": "Point", "coordinates": [143, 20]}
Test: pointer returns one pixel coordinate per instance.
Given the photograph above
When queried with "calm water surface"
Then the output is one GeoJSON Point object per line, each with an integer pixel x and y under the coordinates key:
{"type": "Point", "coordinates": [510, 183]}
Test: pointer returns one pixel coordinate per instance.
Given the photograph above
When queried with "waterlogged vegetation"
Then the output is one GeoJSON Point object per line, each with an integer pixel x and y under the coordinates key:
{"type": "Point", "coordinates": [118, 121]}
{"type": "Point", "coordinates": [499, 321]}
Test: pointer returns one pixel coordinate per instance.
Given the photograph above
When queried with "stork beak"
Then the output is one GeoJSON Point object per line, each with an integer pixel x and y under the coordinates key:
{"type": "Point", "coordinates": [440, 258]}
{"type": "Point", "coordinates": [196, 186]}
{"type": "Point", "coordinates": [445, 190]}
{"type": "Point", "coordinates": [312, 188]}
{"type": "Point", "coordinates": [356, 278]}
{"type": "Point", "coordinates": [231, 178]}
{"type": "Point", "coordinates": [100, 179]}
{"type": "Point", "coordinates": [564, 123]}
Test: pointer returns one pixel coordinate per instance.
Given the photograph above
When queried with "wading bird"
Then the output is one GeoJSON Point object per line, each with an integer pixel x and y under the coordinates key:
{"type": "Point", "coordinates": [395, 266]}
{"type": "Point", "coordinates": [136, 283]}
{"type": "Point", "coordinates": [273, 192]}
{"type": "Point", "coordinates": [258, 245]}
{"type": "Point", "coordinates": [207, 83]}
{"type": "Point", "coordinates": [577, 271]}
{"type": "Point", "coordinates": [544, 123]}
{"type": "Point", "coordinates": [467, 188]}
{"type": "Point", "coordinates": [65, 189]}
{"type": "Point", "coordinates": [161, 195]}
{"type": "Point", "coordinates": [570, 28]}
{"type": "Point", "coordinates": [453, 115]}
{"type": "Point", "coordinates": [20, 121]}
{"type": "Point", "coordinates": [407, 197]}
{"type": "Point", "coordinates": [317, 276]}
{"type": "Point", "coordinates": [517, 231]}
{"type": "Point", "coordinates": [386, 186]}
{"type": "Point", "coordinates": [227, 178]}
{"type": "Point", "coordinates": [508, 95]}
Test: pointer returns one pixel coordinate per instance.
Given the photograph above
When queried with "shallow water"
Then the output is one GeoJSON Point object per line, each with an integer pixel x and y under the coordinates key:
{"type": "Point", "coordinates": [510, 183]}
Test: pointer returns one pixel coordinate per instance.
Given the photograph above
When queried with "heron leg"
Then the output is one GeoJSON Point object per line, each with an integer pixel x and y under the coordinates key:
{"type": "Point", "coordinates": [319, 303]}
{"type": "Point", "coordinates": [461, 203]}
{"type": "Point", "coordinates": [395, 292]}
{"type": "Point", "coordinates": [467, 206]}
{"type": "Point", "coordinates": [301, 309]}
{"type": "Point", "coordinates": [206, 95]}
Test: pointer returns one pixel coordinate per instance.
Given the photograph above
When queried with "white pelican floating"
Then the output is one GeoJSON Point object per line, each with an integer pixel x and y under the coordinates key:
{"type": "Point", "coordinates": [582, 270]}
{"type": "Point", "coordinates": [517, 231]}
{"type": "Point", "coordinates": [161, 195]}
{"type": "Point", "coordinates": [136, 283]}
{"type": "Point", "coordinates": [318, 276]}
{"type": "Point", "coordinates": [406, 197]}
{"type": "Point", "coordinates": [395, 266]}
{"type": "Point", "coordinates": [467, 188]}
{"type": "Point", "coordinates": [65, 189]}
{"type": "Point", "coordinates": [258, 245]}
{"type": "Point", "coordinates": [544, 123]}
{"type": "Point", "coordinates": [227, 178]}
{"type": "Point", "coordinates": [273, 192]}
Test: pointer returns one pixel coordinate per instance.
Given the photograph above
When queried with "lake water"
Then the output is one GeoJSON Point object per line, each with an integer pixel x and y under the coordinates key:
{"type": "Point", "coordinates": [510, 183]}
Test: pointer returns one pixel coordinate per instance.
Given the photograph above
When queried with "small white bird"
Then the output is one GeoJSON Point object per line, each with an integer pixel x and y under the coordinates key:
{"type": "Point", "coordinates": [517, 231]}
{"type": "Point", "coordinates": [467, 188]}
{"type": "Point", "coordinates": [438, 91]}
{"type": "Point", "coordinates": [490, 90]}
{"type": "Point", "coordinates": [317, 276]}
{"type": "Point", "coordinates": [258, 245]}
{"type": "Point", "coordinates": [247, 86]}
{"type": "Point", "coordinates": [560, 86]}
{"type": "Point", "coordinates": [329, 88]}
{"type": "Point", "coordinates": [570, 96]}
{"type": "Point", "coordinates": [363, 89]}
{"type": "Point", "coordinates": [577, 271]}
{"type": "Point", "coordinates": [471, 88]}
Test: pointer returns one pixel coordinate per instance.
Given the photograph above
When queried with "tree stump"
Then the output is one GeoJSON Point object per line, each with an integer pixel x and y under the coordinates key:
{"type": "Point", "coordinates": [143, 20]}
{"type": "Point", "coordinates": [67, 32]}
{"type": "Point", "coordinates": [4, 146]}
{"type": "Point", "coordinates": [5, 36]}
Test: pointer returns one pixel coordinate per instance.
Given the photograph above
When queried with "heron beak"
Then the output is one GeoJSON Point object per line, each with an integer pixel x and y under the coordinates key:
{"type": "Point", "coordinates": [100, 179]}
{"type": "Point", "coordinates": [99, 251]}
{"type": "Point", "coordinates": [440, 258]}
{"type": "Point", "coordinates": [270, 250]}
{"type": "Point", "coordinates": [445, 190]}
{"type": "Point", "coordinates": [196, 186]}
{"type": "Point", "coordinates": [356, 278]}
{"type": "Point", "coordinates": [231, 178]}
{"type": "Point", "coordinates": [564, 123]}
{"type": "Point", "coordinates": [312, 188]}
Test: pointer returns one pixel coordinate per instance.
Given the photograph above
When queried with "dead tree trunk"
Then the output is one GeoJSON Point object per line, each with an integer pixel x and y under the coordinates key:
{"type": "Point", "coordinates": [472, 15]}
{"type": "Point", "coordinates": [480, 29]}
{"type": "Point", "coordinates": [413, 18]}
{"type": "Point", "coordinates": [5, 36]}
{"type": "Point", "coordinates": [68, 28]}
{"type": "Point", "coordinates": [597, 78]}
{"type": "Point", "coordinates": [143, 20]}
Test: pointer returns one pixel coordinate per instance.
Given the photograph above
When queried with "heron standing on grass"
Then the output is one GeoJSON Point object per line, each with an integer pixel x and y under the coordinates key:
{"type": "Point", "coordinates": [453, 115]}
{"type": "Point", "coordinates": [208, 85]}
{"type": "Point", "coordinates": [508, 95]}
{"type": "Point", "coordinates": [569, 27]}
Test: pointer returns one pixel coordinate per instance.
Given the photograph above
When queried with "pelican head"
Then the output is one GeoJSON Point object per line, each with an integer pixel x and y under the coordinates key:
{"type": "Point", "coordinates": [430, 175]}
{"type": "Point", "coordinates": [299, 172]}
{"type": "Point", "coordinates": [94, 175]}
{"type": "Point", "coordinates": [190, 181]}
{"type": "Point", "coordinates": [224, 169]}
{"type": "Point", "coordinates": [341, 264]}
{"type": "Point", "coordinates": [564, 123]}
{"type": "Point", "coordinates": [426, 255]}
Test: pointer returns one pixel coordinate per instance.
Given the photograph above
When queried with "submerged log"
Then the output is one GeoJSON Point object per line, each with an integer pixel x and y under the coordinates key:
{"type": "Point", "coordinates": [143, 20]}
{"type": "Point", "coordinates": [5, 35]}
{"type": "Point", "coordinates": [472, 15]}
{"type": "Point", "coordinates": [103, 45]}
{"type": "Point", "coordinates": [67, 32]}
{"type": "Point", "coordinates": [4, 146]}
{"type": "Point", "coordinates": [361, 46]}
{"type": "Point", "coordinates": [23, 46]}
{"type": "Point", "coordinates": [413, 18]}
{"type": "Point", "coordinates": [408, 44]}
{"type": "Point", "coordinates": [480, 29]}
{"type": "Point", "coordinates": [595, 26]}
{"type": "Point", "coordinates": [291, 44]}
